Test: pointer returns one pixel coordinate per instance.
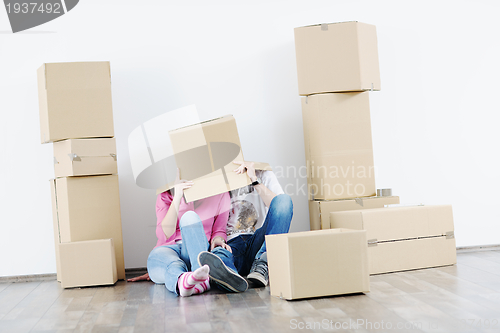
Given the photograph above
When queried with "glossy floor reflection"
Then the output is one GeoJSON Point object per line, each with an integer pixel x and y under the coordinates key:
{"type": "Point", "coordinates": [460, 298]}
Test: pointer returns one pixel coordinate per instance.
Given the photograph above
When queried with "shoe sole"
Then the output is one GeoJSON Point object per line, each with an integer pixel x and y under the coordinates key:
{"type": "Point", "coordinates": [257, 280]}
{"type": "Point", "coordinates": [220, 273]}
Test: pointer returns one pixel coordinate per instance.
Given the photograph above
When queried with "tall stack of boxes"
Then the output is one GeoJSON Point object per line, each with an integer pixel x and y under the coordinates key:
{"type": "Point", "coordinates": [76, 115]}
{"type": "Point", "coordinates": [337, 66]}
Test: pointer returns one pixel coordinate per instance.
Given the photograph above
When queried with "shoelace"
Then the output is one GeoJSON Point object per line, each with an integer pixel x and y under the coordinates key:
{"type": "Point", "coordinates": [260, 266]}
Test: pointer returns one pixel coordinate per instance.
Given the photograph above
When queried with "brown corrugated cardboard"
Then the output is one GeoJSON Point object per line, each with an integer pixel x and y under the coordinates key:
{"type": "Point", "coordinates": [204, 153]}
{"type": "Point", "coordinates": [337, 57]}
{"type": "Point", "coordinates": [85, 157]}
{"type": "Point", "coordinates": [87, 263]}
{"type": "Point", "coordinates": [75, 101]}
{"type": "Point", "coordinates": [338, 145]}
{"type": "Point", "coordinates": [429, 228]}
{"type": "Point", "coordinates": [319, 211]}
{"type": "Point", "coordinates": [338, 256]}
{"type": "Point", "coordinates": [88, 208]}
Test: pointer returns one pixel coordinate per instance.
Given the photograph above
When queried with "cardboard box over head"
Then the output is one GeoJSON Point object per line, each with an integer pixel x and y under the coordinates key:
{"type": "Point", "coordinates": [297, 261]}
{"type": "Point", "coordinates": [337, 57]}
{"type": "Point", "coordinates": [75, 101]}
{"type": "Point", "coordinates": [204, 154]}
{"type": "Point", "coordinates": [85, 157]}
{"type": "Point", "coordinates": [338, 146]}
{"type": "Point", "coordinates": [403, 238]}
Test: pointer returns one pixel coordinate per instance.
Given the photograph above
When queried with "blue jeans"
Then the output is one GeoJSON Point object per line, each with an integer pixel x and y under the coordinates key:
{"type": "Point", "coordinates": [248, 247]}
{"type": "Point", "coordinates": [166, 263]}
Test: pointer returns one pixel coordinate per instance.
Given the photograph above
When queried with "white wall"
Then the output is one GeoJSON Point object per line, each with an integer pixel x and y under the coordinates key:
{"type": "Point", "coordinates": [434, 123]}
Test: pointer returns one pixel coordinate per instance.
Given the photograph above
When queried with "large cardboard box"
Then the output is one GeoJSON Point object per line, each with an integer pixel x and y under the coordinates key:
{"type": "Point", "coordinates": [85, 157]}
{"type": "Point", "coordinates": [337, 57]}
{"type": "Point", "coordinates": [87, 263]}
{"type": "Point", "coordinates": [338, 145]}
{"type": "Point", "coordinates": [75, 101]}
{"type": "Point", "coordinates": [204, 153]}
{"type": "Point", "coordinates": [403, 238]}
{"type": "Point", "coordinates": [88, 208]}
{"type": "Point", "coordinates": [297, 261]}
{"type": "Point", "coordinates": [319, 211]}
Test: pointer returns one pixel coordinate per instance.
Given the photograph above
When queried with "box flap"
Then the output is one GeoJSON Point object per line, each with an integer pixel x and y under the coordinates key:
{"type": "Point", "coordinates": [321, 24]}
{"type": "Point", "coordinates": [232, 179]}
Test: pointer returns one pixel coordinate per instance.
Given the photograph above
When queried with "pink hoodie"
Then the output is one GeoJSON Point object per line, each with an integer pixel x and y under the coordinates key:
{"type": "Point", "coordinates": [213, 212]}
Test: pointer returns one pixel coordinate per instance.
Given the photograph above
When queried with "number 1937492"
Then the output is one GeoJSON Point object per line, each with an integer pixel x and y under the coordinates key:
{"type": "Point", "coordinates": [33, 7]}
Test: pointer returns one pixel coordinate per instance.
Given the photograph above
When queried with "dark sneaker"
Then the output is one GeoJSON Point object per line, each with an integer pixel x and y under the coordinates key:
{"type": "Point", "coordinates": [222, 274]}
{"type": "Point", "coordinates": [259, 274]}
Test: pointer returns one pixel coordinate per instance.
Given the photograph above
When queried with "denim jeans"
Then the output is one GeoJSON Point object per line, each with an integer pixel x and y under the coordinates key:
{"type": "Point", "coordinates": [166, 263]}
{"type": "Point", "coordinates": [248, 247]}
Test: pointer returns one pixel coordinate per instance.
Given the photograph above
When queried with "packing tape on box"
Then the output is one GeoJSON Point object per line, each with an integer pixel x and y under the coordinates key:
{"type": "Point", "coordinates": [372, 242]}
{"type": "Point", "coordinates": [55, 160]}
{"type": "Point", "coordinates": [384, 192]}
{"type": "Point", "coordinates": [450, 234]}
{"type": "Point", "coordinates": [324, 27]}
{"type": "Point", "coordinates": [74, 157]}
{"type": "Point", "coordinates": [359, 201]}
{"type": "Point", "coordinates": [114, 156]}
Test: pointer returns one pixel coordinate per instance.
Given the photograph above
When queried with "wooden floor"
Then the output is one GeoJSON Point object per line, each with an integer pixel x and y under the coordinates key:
{"type": "Point", "coordinates": [460, 298]}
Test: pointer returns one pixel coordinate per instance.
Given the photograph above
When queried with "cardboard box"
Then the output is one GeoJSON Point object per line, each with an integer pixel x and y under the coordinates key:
{"type": "Point", "coordinates": [85, 157]}
{"type": "Point", "coordinates": [55, 225]}
{"type": "Point", "coordinates": [87, 263]}
{"type": "Point", "coordinates": [75, 101]}
{"type": "Point", "coordinates": [88, 208]}
{"type": "Point", "coordinates": [204, 153]}
{"type": "Point", "coordinates": [338, 146]}
{"type": "Point", "coordinates": [337, 57]}
{"type": "Point", "coordinates": [319, 211]}
{"type": "Point", "coordinates": [403, 238]}
{"type": "Point", "coordinates": [337, 256]}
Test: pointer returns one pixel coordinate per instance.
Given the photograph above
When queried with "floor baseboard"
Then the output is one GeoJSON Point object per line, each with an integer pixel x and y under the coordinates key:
{"type": "Point", "coordinates": [493, 247]}
{"type": "Point", "coordinates": [142, 270]}
{"type": "Point", "coordinates": [53, 276]}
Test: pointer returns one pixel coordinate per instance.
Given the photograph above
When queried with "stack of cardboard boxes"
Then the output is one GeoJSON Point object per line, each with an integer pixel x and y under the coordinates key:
{"type": "Point", "coordinates": [337, 66]}
{"type": "Point", "coordinates": [76, 115]}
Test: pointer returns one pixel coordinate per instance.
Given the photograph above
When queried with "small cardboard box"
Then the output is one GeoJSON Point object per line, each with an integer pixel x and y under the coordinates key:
{"type": "Point", "coordinates": [336, 256]}
{"type": "Point", "coordinates": [88, 208]}
{"type": "Point", "coordinates": [319, 211]}
{"type": "Point", "coordinates": [75, 101]}
{"type": "Point", "coordinates": [87, 263]}
{"type": "Point", "coordinates": [403, 238]}
{"type": "Point", "coordinates": [337, 57]}
{"type": "Point", "coordinates": [85, 157]}
{"type": "Point", "coordinates": [204, 153]}
{"type": "Point", "coordinates": [338, 146]}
